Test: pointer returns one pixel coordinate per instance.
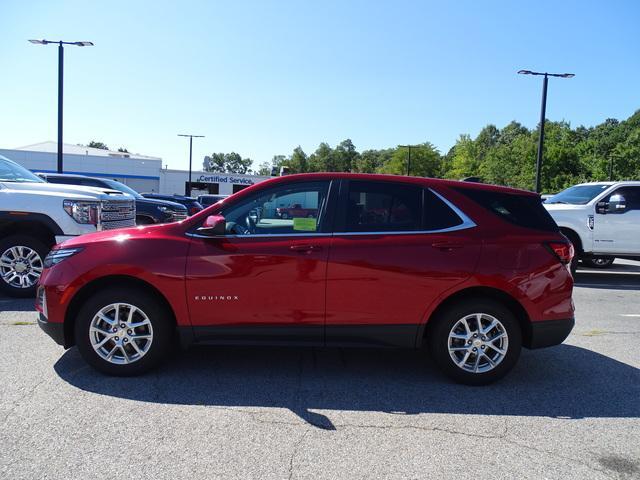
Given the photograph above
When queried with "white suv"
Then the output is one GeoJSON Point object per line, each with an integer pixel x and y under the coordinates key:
{"type": "Point", "coordinates": [35, 215]}
{"type": "Point", "coordinates": [601, 219]}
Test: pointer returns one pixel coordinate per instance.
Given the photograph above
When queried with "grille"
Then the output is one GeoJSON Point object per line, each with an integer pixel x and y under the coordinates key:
{"type": "Point", "coordinates": [179, 216]}
{"type": "Point", "coordinates": [118, 214]}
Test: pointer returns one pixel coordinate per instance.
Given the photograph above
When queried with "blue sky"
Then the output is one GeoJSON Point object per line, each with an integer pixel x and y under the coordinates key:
{"type": "Point", "coordinates": [260, 77]}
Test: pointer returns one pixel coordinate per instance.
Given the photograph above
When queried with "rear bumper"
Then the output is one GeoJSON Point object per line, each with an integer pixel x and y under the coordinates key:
{"type": "Point", "coordinates": [548, 333]}
{"type": "Point", "coordinates": [54, 330]}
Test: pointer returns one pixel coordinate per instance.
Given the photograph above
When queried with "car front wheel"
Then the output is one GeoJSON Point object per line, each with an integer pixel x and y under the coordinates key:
{"type": "Point", "coordinates": [123, 332]}
{"type": "Point", "coordinates": [476, 342]}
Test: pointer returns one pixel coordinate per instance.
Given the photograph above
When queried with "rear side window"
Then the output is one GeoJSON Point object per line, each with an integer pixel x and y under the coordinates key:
{"type": "Point", "coordinates": [437, 214]}
{"type": "Point", "coordinates": [522, 210]}
{"type": "Point", "coordinates": [383, 207]}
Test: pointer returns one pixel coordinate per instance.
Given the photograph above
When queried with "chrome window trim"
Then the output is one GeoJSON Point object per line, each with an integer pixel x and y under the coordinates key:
{"type": "Point", "coordinates": [466, 223]}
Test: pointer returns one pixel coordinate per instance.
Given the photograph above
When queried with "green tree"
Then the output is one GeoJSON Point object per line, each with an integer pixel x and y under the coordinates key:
{"type": "Point", "coordinates": [227, 163]}
{"type": "Point", "coordinates": [323, 159]}
{"type": "Point", "coordinates": [346, 156]}
{"type": "Point", "coordinates": [100, 145]}
{"type": "Point", "coordinates": [425, 161]}
{"type": "Point", "coordinates": [298, 162]}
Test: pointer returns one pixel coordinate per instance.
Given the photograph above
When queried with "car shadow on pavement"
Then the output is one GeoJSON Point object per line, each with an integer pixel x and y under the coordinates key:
{"type": "Point", "coordinates": [8, 304]}
{"type": "Point", "coordinates": [562, 382]}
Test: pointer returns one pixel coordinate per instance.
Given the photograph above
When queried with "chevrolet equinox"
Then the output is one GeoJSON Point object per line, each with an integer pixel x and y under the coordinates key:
{"type": "Point", "coordinates": [472, 272]}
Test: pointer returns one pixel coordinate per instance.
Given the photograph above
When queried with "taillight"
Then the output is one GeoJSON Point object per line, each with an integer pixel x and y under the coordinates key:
{"type": "Point", "coordinates": [564, 251]}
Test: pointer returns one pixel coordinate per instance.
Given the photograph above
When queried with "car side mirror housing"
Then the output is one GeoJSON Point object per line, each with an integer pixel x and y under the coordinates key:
{"type": "Point", "coordinates": [617, 204]}
{"type": "Point", "coordinates": [213, 226]}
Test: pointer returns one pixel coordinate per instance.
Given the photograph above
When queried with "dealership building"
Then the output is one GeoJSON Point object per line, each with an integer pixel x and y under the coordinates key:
{"type": "Point", "coordinates": [141, 172]}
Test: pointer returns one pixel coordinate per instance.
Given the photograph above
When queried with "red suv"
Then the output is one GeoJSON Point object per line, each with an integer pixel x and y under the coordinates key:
{"type": "Point", "coordinates": [471, 271]}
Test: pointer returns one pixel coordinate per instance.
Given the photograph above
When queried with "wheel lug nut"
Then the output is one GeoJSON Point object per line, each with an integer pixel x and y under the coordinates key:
{"type": "Point", "coordinates": [114, 329]}
{"type": "Point", "coordinates": [482, 347]}
{"type": "Point", "coordinates": [126, 340]}
{"type": "Point", "coordinates": [475, 335]}
{"type": "Point", "coordinates": [129, 332]}
{"type": "Point", "coordinates": [122, 325]}
{"type": "Point", "coordinates": [475, 349]}
{"type": "Point", "coordinates": [117, 338]}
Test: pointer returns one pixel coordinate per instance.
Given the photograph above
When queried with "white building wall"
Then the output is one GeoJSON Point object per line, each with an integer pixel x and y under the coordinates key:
{"type": "Point", "coordinates": [173, 181]}
{"type": "Point", "coordinates": [141, 175]}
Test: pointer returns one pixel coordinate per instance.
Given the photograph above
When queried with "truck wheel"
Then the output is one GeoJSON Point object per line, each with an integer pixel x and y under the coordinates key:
{"type": "Point", "coordinates": [476, 341]}
{"type": "Point", "coordinates": [285, 215]}
{"type": "Point", "coordinates": [123, 332]}
{"type": "Point", "coordinates": [21, 264]}
{"type": "Point", "coordinates": [598, 262]}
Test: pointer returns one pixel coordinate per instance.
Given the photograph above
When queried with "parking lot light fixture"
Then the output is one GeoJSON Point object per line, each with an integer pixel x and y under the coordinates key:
{"type": "Point", "coordinates": [191, 137]}
{"type": "Point", "coordinates": [60, 44]}
{"type": "Point", "coordinates": [542, 115]}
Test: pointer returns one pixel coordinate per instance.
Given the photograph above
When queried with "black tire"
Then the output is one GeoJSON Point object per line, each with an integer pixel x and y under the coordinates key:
{"type": "Point", "coordinates": [285, 216]}
{"type": "Point", "coordinates": [444, 322]}
{"type": "Point", "coordinates": [161, 324]}
{"type": "Point", "coordinates": [142, 220]}
{"type": "Point", "coordinates": [21, 241]}
{"type": "Point", "coordinates": [598, 262]}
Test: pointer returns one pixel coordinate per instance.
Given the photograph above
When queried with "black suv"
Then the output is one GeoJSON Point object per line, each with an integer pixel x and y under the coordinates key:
{"type": "Point", "coordinates": [208, 200]}
{"type": "Point", "coordinates": [148, 210]}
{"type": "Point", "coordinates": [192, 204]}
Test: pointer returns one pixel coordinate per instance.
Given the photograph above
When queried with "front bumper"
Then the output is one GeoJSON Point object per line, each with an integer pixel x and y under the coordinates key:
{"type": "Point", "coordinates": [54, 330]}
{"type": "Point", "coordinates": [548, 333]}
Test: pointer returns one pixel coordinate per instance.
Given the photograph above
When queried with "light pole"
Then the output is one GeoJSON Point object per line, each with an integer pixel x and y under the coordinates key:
{"type": "Point", "coordinates": [191, 137]}
{"type": "Point", "coordinates": [542, 115]}
{"type": "Point", "coordinates": [60, 77]}
{"type": "Point", "coordinates": [408, 147]}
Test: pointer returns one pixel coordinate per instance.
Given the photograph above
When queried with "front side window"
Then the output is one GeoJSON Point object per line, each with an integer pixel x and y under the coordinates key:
{"type": "Point", "coordinates": [383, 207]}
{"type": "Point", "coordinates": [294, 209]}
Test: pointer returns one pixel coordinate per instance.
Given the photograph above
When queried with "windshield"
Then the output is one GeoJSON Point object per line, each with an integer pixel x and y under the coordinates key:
{"type": "Point", "coordinates": [12, 172]}
{"type": "Point", "coordinates": [578, 195]}
{"type": "Point", "coordinates": [122, 188]}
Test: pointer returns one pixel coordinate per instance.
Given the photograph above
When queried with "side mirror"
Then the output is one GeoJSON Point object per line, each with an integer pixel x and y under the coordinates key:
{"type": "Point", "coordinates": [617, 204]}
{"type": "Point", "coordinates": [213, 226]}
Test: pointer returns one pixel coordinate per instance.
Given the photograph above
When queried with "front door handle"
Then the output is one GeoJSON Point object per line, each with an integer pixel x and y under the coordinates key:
{"type": "Point", "coordinates": [305, 248]}
{"type": "Point", "coordinates": [447, 246]}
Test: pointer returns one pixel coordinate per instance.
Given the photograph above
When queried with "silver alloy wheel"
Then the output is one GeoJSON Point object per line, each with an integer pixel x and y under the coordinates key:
{"type": "Point", "coordinates": [20, 266]}
{"type": "Point", "coordinates": [478, 343]}
{"type": "Point", "coordinates": [121, 333]}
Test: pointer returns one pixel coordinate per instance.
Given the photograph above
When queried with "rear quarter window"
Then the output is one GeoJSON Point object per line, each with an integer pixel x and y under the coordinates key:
{"type": "Point", "coordinates": [522, 210]}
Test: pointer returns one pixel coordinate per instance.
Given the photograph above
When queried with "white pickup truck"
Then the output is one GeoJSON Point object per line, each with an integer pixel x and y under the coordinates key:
{"type": "Point", "coordinates": [35, 215]}
{"type": "Point", "coordinates": [601, 219]}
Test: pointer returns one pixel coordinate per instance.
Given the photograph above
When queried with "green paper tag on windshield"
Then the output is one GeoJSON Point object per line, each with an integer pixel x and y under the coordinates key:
{"type": "Point", "coordinates": [305, 224]}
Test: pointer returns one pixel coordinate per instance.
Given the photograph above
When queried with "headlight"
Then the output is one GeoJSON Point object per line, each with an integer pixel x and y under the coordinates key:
{"type": "Point", "coordinates": [82, 212]}
{"type": "Point", "coordinates": [164, 209]}
{"type": "Point", "coordinates": [56, 256]}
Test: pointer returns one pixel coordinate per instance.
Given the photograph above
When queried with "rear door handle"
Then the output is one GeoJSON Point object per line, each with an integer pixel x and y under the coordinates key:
{"type": "Point", "coordinates": [305, 248]}
{"type": "Point", "coordinates": [447, 246]}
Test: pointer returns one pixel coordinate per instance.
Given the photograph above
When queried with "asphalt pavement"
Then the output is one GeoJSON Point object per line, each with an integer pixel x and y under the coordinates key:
{"type": "Point", "coordinates": [571, 411]}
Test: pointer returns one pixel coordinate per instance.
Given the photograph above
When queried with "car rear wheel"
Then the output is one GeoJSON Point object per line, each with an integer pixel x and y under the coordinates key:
{"type": "Point", "coordinates": [21, 264]}
{"type": "Point", "coordinates": [123, 332]}
{"type": "Point", "coordinates": [476, 342]}
{"type": "Point", "coordinates": [598, 262]}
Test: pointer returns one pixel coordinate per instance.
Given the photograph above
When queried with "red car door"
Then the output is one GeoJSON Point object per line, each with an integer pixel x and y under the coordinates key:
{"type": "Point", "coordinates": [265, 280]}
{"type": "Point", "coordinates": [388, 262]}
